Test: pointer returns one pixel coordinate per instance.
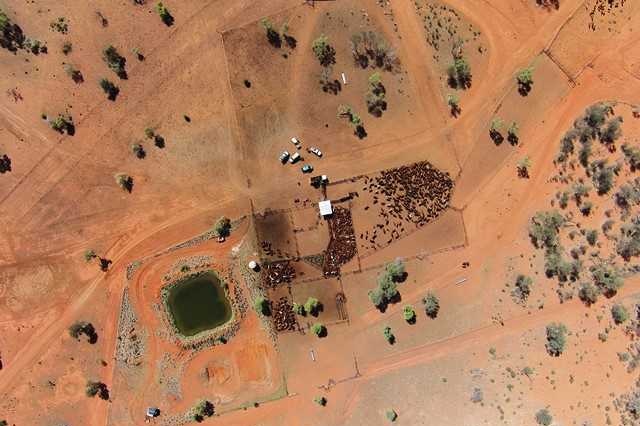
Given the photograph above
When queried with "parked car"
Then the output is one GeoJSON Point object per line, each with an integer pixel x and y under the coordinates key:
{"type": "Point", "coordinates": [296, 142]}
{"type": "Point", "coordinates": [307, 168]}
{"type": "Point", "coordinates": [295, 157]}
{"type": "Point", "coordinates": [284, 156]}
{"type": "Point", "coordinates": [315, 151]}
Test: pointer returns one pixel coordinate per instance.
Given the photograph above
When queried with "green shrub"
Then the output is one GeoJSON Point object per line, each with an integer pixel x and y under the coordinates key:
{"type": "Point", "coordinates": [312, 306]}
{"type": "Point", "coordinates": [319, 329]}
{"type": "Point", "coordinates": [124, 181]}
{"type": "Point", "coordinates": [110, 89]}
{"type": "Point", "coordinates": [164, 13]}
{"type": "Point", "coordinates": [459, 73]}
{"type": "Point", "coordinates": [299, 309]}
{"type": "Point", "coordinates": [325, 53]}
{"type": "Point", "coordinates": [588, 293]}
{"type": "Point", "coordinates": [431, 305]}
{"type": "Point", "coordinates": [556, 338]}
{"type": "Point", "coordinates": [628, 244]}
{"type": "Point", "coordinates": [544, 229]}
{"type": "Point", "coordinates": [619, 313]}
{"type": "Point", "coordinates": [522, 287]}
{"type": "Point", "coordinates": [391, 415]}
{"type": "Point", "coordinates": [396, 270]}
{"type": "Point", "coordinates": [262, 305]}
{"type": "Point", "coordinates": [608, 279]}
{"type": "Point", "coordinates": [320, 400]}
{"type": "Point", "coordinates": [222, 227]}
{"type": "Point", "coordinates": [115, 61]}
{"type": "Point", "coordinates": [543, 417]}
{"type": "Point", "coordinates": [89, 255]}
{"type": "Point", "coordinates": [592, 237]}
{"type": "Point", "coordinates": [388, 335]}
{"type": "Point", "coordinates": [409, 314]}
{"type": "Point", "coordinates": [202, 410]}
{"type": "Point", "coordinates": [97, 388]}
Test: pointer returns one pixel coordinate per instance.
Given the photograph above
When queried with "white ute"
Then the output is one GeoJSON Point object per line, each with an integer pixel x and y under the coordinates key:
{"type": "Point", "coordinates": [315, 151]}
{"type": "Point", "coordinates": [295, 157]}
{"type": "Point", "coordinates": [296, 142]}
{"type": "Point", "coordinates": [284, 156]}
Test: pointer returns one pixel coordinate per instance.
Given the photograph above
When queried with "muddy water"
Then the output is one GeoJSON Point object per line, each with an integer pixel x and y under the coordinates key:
{"type": "Point", "coordinates": [199, 304]}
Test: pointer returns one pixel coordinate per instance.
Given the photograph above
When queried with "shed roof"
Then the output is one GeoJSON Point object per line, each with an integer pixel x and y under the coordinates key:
{"type": "Point", "coordinates": [325, 207]}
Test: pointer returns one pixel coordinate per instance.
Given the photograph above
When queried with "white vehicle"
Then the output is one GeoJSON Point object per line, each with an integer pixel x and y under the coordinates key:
{"type": "Point", "coordinates": [284, 156]}
{"type": "Point", "coordinates": [296, 142]}
{"type": "Point", "coordinates": [315, 151]}
{"type": "Point", "coordinates": [294, 158]}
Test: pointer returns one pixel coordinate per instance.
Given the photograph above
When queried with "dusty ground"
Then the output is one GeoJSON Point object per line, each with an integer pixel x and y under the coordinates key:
{"type": "Point", "coordinates": [222, 141]}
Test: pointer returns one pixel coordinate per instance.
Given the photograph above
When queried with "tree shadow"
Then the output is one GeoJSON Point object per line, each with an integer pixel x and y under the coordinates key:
{"type": "Point", "coordinates": [159, 141]}
{"type": "Point", "coordinates": [360, 132]}
{"type": "Point", "coordinates": [496, 136]}
{"type": "Point", "coordinates": [291, 41]}
{"type": "Point", "coordinates": [524, 89]}
{"type": "Point", "coordinates": [5, 164]}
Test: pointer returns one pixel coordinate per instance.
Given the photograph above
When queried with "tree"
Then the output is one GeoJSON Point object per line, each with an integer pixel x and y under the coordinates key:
{"type": "Point", "coordinates": [494, 131]}
{"type": "Point", "coordinates": [202, 410]}
{"type": "Point", "coordinates": [512, 133]}
{"type": "Point", "coordinates": [391, 415]}
{"type": "Point", "coordinates": [164, 13]}
{"type": "Point", "coordinates": [431, 305]}
{"type": "Point", "coordinates": [544, 229]}
{"type": "Point", "coordinates": [608, 279]}
{"type": "Point", "coordinates": [149, 133]}
{"type": "Point", "coordinates": [612, 131]}
{"type": "Point", "coordinates": [124, 181]}
{"type": "Point", "coordinates": [459, 74]}
{"type": "Point", "coordinates": [454, 104]}
{"type": "Point", "coordinates": [376, 98]}
{"type": "Point", "coordinates": [299, 309]}
{"type": "Point", "coordinates": [73, 73]}
{"type": "Point", "coordinates": [523, 167]}
{"type": "Point", "coordinates": [313, 306]}
{"type": "Point", "coordinates": [97, 388]}
{"type": "Point", "coordinates": [3, 422]}
{"type": "Point", "coordinates": [62, 124]}
{"type": "Point", "coordinates": [592, 237]}
{"type": "Point", "coordinates": [79, 328]}
{"type": "Point", "coordinates": [409, 314]}
{"type": "Point", "coordinates": [272, 35]}
{"type": "Point", "coordinates": [628, 244]}
{"type": "Point", "coordinates": [324, 52]}
{"type": "Point", "coordinates": [110, 89]}
{"type": "Point", "coordinates": [89, 255]}
{"type": "Point", "coordinates": [588, 294]}
{"type": "Point", "coordinates": [556, 338]}
{"type": "Point", "coordinates": [115, 61]}
{"type": "Point", "coordinates": [222, 228]}
{"type": "Point", "coordinates": [619, 313]}
{"type": "Point", "coordinates": [385, 292]}
{"type": "Point", "coordinates": [262, 306]}
{"type": "Point", "coordinates": [319, 329]}
{"type": "Point", "coordinates": [138, 150]}
{"type": "Point", "coordinates": [522, 287]}
{"type": "Point", "coordinates": [388, 335]}
{"type": "Point", "coordinates": [543, 417]}
{"type": "Point", "coordinates": [525, 81]}
{"type": "Point", "coordinates": [396, 270]}
{"type": "Point", "coordinates": [320, 400]}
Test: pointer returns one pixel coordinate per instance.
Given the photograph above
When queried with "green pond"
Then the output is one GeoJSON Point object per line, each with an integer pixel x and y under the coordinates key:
{"type": "Point", "coordinates": [198, 304]}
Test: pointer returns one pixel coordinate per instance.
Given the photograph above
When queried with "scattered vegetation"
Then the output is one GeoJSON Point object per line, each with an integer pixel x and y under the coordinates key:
{"type": "Point", "coordinates": [525, 81]}
{"type": "Point", "coordinates": [388, 335]}
{"type": "Point", "coordinates": [376, 97]}
{"type": "Point", "coordinates": [588, 293]}
{"type": "Point", "coordinates": [319, 329]}
{"type": "Point", "coordinates": [110, 89]}
{"type": "Point", "coordinates": [454, 104]}
{"type": "Point", "coordinates": [523, 167]}
{"type": "Point", "coordinates": [262, 306]}
{"type": "Point", "coordinates": [522, 288]}
{"type": "Point", "coordinates": [97, 388]}
{"type": "Point", "coordinates": [67, 48]}
{"type": "Point", "coordinates": [543, 417]}
{"type": "Point", "coordinates": [138, 150]}
{"type": "Point", "coordinates": [431, 305]}
{"type": "Point", "coordinates": [222, 227]}
{"type": "Point", "coordinates": [512, 133]}
{"type": "Point", "coordinates": [62, 124]}
{"type": "Point", "coordinates": [164, 13]}
{"type": "Point", "coordinates": [202, 410]}
{"type": "Point", "coordinates": [74, 73]}
{"type": "Point", "coordinates": [124, 181]}
{"type": "Point", "coordinates": [345, 111]}
{"type": "Point", "coordinates": [60, 25]}
{"type": "Point", "coordinates": [320, 400]}
{"type": "Point", "coordinates": [494, 131]}
{"type": "Point", "coordinates": [409, 314]}
{"type": "Point", "coordinates": [459, 74]}
{"type": "Point", "coordinates": [115, 61]}
{"type": "Point", "coordinates": [607, 279]}
{"type": "Point", "coordinates": [273, 36]}
{"type": "Point", "coordinates": [371, 49]}
{"type": "Point", "coordinates": [556, 339]}
{"type": "Point", "coordinates": [325, 53]}
{"type": "Point", "coordinates": [312, 306]}
{"type": "Point", "coordinates": [79, 328]}
{"type": "Point", "coordinates": [619, 313]}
